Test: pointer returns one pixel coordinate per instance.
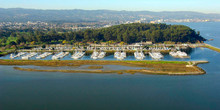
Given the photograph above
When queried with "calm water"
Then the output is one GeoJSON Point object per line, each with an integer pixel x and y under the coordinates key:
{"type": "Point", "coordinates": [64, 91]}
{"type": "Point", "coordinates": [209, 30]}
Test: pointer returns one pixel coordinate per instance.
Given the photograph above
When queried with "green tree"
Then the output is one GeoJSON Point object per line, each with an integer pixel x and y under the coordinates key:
{"type": "Point", "coordinates": [12, 43]}
{"type": "Point", "coordinates": [4, 40]}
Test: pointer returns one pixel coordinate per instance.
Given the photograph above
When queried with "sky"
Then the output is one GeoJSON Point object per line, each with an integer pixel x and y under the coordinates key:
{"type": "Point", "coordinates": [205, 6]}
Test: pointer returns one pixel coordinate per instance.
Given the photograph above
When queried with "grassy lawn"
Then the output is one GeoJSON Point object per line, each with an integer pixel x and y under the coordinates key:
{"type": "Point", "coordinates": [3, 53]}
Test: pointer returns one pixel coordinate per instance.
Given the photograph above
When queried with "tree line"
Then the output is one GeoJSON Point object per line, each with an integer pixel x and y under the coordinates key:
{"type": "Point", "coordinates": [128, 33]}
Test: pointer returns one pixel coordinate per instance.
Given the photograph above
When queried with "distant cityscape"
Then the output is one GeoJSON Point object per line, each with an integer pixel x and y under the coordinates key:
{"type": "Point", "coordinates": [88, 25]}
{"type": "Point", "coordinates": [76, 19]}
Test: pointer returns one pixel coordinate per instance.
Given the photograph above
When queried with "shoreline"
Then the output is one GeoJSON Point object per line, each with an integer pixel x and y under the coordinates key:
{"type": "Point", "coordinates": [156, 67]}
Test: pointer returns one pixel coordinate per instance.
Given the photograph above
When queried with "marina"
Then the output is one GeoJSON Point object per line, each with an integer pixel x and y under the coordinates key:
{"type": "Point", "coordinates": [97, 55]}
{"type": "Point", "coordinates": [36, 88]}
{"type": "Point", "coordinates": [145, 46]}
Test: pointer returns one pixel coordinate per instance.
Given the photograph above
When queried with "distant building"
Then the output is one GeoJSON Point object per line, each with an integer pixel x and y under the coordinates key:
{"type": "Point", "coordinates": [153, 22]}
{"type": "Point", "coordinates": [148, 42]}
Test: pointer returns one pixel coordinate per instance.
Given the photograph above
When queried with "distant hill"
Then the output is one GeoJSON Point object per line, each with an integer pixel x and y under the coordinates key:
{"type": "Point", "coordinates": [76, 15]}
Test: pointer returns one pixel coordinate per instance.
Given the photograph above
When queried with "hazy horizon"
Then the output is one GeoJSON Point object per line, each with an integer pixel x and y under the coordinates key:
{"type": "Point", "coordinates": [202, 6]}
{"type": "Point", "coordinates": [109, 10]}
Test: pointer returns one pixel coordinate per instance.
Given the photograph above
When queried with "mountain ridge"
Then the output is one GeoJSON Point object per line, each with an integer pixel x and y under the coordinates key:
{"type": "Point", "coordinates": [79, 15]}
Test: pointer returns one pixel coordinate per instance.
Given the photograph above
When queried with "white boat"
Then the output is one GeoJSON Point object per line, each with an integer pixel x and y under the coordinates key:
{"type": "Point", "coordinates": [179, 54]}
{"type": "Point", "coordinates": [139, 55]}
{"type": "Point", "coordinates": [95, 55]}
{"type": "Point", "coordinates": [120, 55]}
{"type": "Point", "coordinates": [174, 54]}
{"type": "Point", "coordinates": [18, 55]}
{"type": "Point", "coordinates": [156, 55]}
{"type": "Point", "coordinates": [60, 55]}
{"type": "Point", "coordinates": [29, 56]}
{"type": "Point", "coordinates": [81, 54]}
{"type": "Point", "coordinates": [116, 54]}
{"type": "Point", "coordinates": [11, 56]}
{"type": "Point", "coordinates": [44, 55]}
{"type": "Point", "coordinates": [78, 55]}
{"type": "Point", "coordinates": [101, 55]}
{"type": "Point", "coordinates": [123, 54]}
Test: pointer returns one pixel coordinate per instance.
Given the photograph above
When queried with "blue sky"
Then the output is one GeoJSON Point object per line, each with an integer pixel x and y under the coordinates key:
{"type": "Point", "coordinates": [206, 6]}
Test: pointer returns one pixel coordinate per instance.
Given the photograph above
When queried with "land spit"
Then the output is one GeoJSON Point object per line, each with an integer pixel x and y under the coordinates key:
{"type": "Point", "coordinates": [212, 47]}
{"type": "Point", "coordinates": [154, 67]}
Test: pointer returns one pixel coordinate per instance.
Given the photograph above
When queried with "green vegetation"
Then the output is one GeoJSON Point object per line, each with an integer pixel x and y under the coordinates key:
{"type": "Point", "coordinates": [159, 62]}
{"type": "Point", "coordinates": [80, 62]}
{"type": "Point", "coordinates": [95, 67]}
{"type": "Point", "coordinates": [154, 67]}
{"type": "Point", "coordinates": [126, 33]}
{"type": "Point", "coordinates": [3, 53]}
